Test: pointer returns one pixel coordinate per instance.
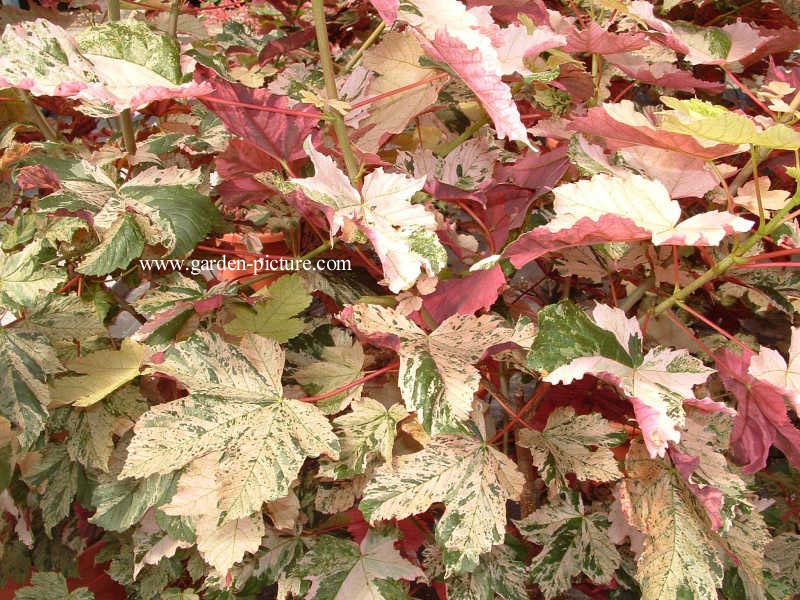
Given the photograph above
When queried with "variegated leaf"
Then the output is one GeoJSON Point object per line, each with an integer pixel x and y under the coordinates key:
{"type": "Point", "coordinates": [471, 478]}
{"type": "Point", "coordinates": [26, 361]}
{"type": "Point", "coordinates": [437, 379]}
{"type": "Point", "coordinates": [235, 407]}
{"type": "Point", "coordinates": [499, 573]}
{"type": "Point", "coordinates": [679, 557]}
{"type": "Point", "coordinates": [342, 570]}
{"type": "Point", "coordinates": [365, 433]}
{"type": "Point", "coordinates": [572, 543]}
{"type": "Point", "coordinates": [611, 348]}
{"type": "Point", "coordinates": [563, 447]}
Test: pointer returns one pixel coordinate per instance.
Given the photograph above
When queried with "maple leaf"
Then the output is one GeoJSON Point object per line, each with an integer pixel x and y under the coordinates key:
{"type": "Point", "coordinates": [437, 379]}
{"type": "Point", "coordinates": [109, 68]}
{"type": "Point", "coordinates": [224, 545]}
{"type": "Point", "coordinates": [151, 543]}
{"type": "Point", "coordinates": [700, 461]}
{"type": "Point", "coordinates": [23, 277]}
{"type": "Point", "coordinates": [570, 345]}
{"type": "Point", "coordinates": [26, 362]}
{"type": "Point", "coordinates": [622, 125]}
{"type": "Point", "coordinates": [768, 365]}
{"type": "Point", "coordinates": [678, 552]}
{"type": "Point", "coordinates": [471, 478]}
{"type": "Point", "coordinates": [563, 447]}
{"type": "Point", "coordinates": [102, 372]}
{"type": "Point", "coordinates": [51, 586]}
{"type": "Point", "coordinates": [596, 40]}
{"type": "Point", "coordinates": [499, 573]}
{"type": "Point", "coordinates": [367, 431]}
{"type": "Point", "coordinates": [609, 208]}
{"type": "Point", "coordinates": [235, 406]}
{"type": "Point", "coordinates": [342, 570]}
{"type": "Point", "coordinates": [56, 476]}
{"type": "Point", "coordinates": [572, 543]}
{"type": "Point", "coordinates": [91, 430]}
{"type": "Point", "coordinates": [401, 233]}
{"type": "Point", "coordinates": [274, 318]}
{"type": "Point", "coordinates": [396, 61]}
{"type": "Point", "coordinates": [330, 368]}
{"type": "Point", "coordinates": [279, 135]}
{"type": "Point", "coordinates": [468, 40]}
{"type": "Point", "coordinates": [761, 420]}
{"type": "Point", "coordinates": [466, 295]}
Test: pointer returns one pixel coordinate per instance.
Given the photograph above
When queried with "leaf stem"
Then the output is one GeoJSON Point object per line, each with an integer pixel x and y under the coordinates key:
{"type": "Point", "coordinates": [39, 119]}
{"type": "Point", "coordinates": [367, 43]}
{"type": "Point", "coordinates": [174, 13]}
{"type": "Point", "coordinates": [448, 147]}
{"type": "Point", "coordinates": [735, 257]}
{"type": "Point", "coordinates": [326, 60]}
{"type": "Point", "coordinates": [125, 119]}
{"type": "Point", "coordinates": [348, 386]}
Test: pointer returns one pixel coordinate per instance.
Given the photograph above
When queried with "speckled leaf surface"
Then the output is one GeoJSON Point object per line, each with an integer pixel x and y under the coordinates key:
{"type": "Point", "coordinates": [472, 479]}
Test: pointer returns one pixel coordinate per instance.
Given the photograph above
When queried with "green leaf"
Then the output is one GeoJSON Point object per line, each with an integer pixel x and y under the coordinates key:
{"type": "Point", "coordinates": [365, 433]}
{"type": "Point", "coordinates": [57, 478]}
{"type": "Point", "coordinates": [51, 586]}
{"type": "Point", "coordinates": [679, 559]}
{"type": "Point", "coordinates": [338, 366]}
{"type": "Point", "coordinates": [566, 333]}
{"type": "Point", "coordinates": [341, 570]}
{"type": "Point", "coordinates": [122, 502]}
{"type": "Point", "coordinates": [275, 317]}
{"type": "Point", "coordinates": [62, 319]}
{"type": "Point", "coordinates": [26, 361]}
{"type": "Point", "coordinates": [134, 42]}
{"type": "Point", "coordinates": [572, 543]}
{"type": "Point", "coordinates": [563, 447]}
{"type": "Point", "coordinates": [23, 279]}
{"type": "Point", "coordinates": [169, 198]}
{"type": "Point", "coordinates": [471, 478]}
{"type": "Point", "coordinates": [120, 245]}
{"type": "Point", "coordinates": [235, 407]}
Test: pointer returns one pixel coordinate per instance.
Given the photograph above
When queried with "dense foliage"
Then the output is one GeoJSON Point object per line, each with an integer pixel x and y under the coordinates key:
{"type": "Point", "coordinates": [356, 300]}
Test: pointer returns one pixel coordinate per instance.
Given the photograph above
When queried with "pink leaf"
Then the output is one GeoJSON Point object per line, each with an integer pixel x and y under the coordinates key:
{"type": "Point", "coordinates": [470, 64]}
{"type": "Point", "coordinates": [762, 419]}
{"type": "Point", "coordinates": [596, 40]}
{"type": "Point", "coordinates": [541, 240]}
{"type": "Point", "coordinates": [710, 497]}
{"type": "Point", "coordinates": [629, 128]}
{"type": "Point", "coordinates": [387, 9]}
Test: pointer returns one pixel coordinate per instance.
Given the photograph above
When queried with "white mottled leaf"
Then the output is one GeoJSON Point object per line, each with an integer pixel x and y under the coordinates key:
{"type": "Point", "coordinates": [564, 447]}
{"type": "Point", "coordinates": [572, 543]}
{"type": "Point", "coordinates": [471, 478]}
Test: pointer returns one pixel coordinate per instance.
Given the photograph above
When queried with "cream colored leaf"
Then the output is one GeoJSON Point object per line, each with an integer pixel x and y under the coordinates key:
{"type": "Point", "coordinates": [437, 379]}
{"type": "Point", "coordinates": [563, 447]}
{"type": "Point", "coordinates": [102, 373]}
{"type": "Point", "coordinates": [222, 546]}
{"type": "Point", "coordinates": [471, 478]}
{"type": "Point", "coordinates": [678, 556]}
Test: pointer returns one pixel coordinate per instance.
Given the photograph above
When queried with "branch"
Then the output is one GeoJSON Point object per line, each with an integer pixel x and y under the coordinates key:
{"type": "Point", "coordinates": [350, 162]}
{"type": "Point", "coordinates": [735, 257]}
{"type": "Point", "coordinates": [125, 119]}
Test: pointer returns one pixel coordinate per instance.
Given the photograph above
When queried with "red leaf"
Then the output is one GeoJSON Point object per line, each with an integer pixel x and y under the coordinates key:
{"type": "Point", "coordinates": [237, 167]}
{"type": "Point", "coordinates": [536, 171]}
{"type": "Point", "coordinates": [279, 135]}
{"type": "Point", "coordinates": [465, 296]}
{"type": "Point", "coordinates": [762, 419]}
